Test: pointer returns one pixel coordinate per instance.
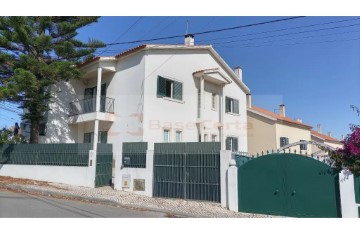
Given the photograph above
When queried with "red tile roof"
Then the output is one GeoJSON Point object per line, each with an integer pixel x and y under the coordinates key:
{"type": "Point", "coordinates": [279, 117]}
{"type": "Point", "coordinates": [325, 137]}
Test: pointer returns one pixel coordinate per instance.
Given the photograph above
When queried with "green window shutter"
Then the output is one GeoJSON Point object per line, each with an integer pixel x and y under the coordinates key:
{"type": "Point", "coordinates": [161, 86]}
{"type": "Point", "coordinates": [227, 104]}
{"type": "Point", "coordinates": [87, 137]}
{"type": "Point", "coordinates": [103, 137]}
{"type": "Point", "coordinates": [235, 140]}
{"type": "Point", "coordinates": [227, 143]}
{"type": "Point", "coordinates": [177, 90]}
{"type": "Point", "coordinates": [236, 106]}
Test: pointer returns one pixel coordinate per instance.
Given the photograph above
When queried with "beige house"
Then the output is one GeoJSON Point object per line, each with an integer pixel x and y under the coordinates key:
{"type": "Point", "coordinates": [271, 131]}
{"type": "Point", "coordinates": [328, 140]}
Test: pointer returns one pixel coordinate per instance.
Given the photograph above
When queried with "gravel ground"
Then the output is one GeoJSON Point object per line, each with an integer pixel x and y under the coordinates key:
{"type": "Point", "coordinates": [186, 208]}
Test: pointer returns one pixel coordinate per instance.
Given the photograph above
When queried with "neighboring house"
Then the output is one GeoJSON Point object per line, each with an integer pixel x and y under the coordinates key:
{"type": "Point", "coordinates": [326, 140]}
{"type": "Point", "coordinates": [152, 93]}
{"type": "Point", "coordinates": [271, 131]}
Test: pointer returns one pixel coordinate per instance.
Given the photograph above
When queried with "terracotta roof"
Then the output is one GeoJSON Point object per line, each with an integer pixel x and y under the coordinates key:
{"type": "Point", "coordinates": [89, 61]}
{"type": "Point", "coordinates": [279, 117]}
{"type": "Point", "coordinates": [325, 137]}
{"type": "Point", "coordinates": [130, 51]}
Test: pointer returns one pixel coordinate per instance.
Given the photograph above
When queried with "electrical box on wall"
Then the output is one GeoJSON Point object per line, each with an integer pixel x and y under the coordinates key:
{"type": "Point", "coordinates": [139, 185]}
{"type": "Point", "coordinates": [126, 181]}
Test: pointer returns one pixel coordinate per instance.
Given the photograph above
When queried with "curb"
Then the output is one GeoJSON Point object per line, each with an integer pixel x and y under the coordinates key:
{"type": "Point", "coordinates": [95, 200]}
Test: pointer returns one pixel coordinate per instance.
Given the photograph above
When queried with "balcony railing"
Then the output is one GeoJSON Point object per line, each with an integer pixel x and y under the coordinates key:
{"type": "Point", "coordinates": [89, 105]}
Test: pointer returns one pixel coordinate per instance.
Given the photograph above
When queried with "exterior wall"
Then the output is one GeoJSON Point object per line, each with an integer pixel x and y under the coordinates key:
{"type": "Point", "coordinates": [164, 113]}
{"type": "Point", "coordinates": [78, 176]}
{"type": "Point", "coordinates": [294, 134]}
{"type": "Point", "coordinates": [315, 149]}
{"type": "Point", "coordinates": [261, 134]}
{"type": "Point", "coordinates": [349, 208]}
{"type": "Point", "coordinates": [137, 173]}
{"type": "Point", "coordinates": [57, 128]}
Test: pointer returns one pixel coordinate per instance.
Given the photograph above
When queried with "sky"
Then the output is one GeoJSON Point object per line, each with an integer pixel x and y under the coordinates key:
{"type": "Point", "coordinates": [311, 64]}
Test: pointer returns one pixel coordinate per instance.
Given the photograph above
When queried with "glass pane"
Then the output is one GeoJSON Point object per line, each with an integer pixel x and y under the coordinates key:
{"type": "Point", "coordinates": [166, 136]}
{"type": "Point", "coordinates": [178, 136]}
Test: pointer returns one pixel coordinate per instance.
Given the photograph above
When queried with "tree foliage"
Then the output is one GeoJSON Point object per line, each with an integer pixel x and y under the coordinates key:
{"type": "Point", "coordinates": [37, 52]}
{"type": "Point", "coordinates": [7, 137]}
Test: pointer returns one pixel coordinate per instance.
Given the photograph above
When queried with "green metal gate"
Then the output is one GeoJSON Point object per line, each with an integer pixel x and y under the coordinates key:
{"type": "Point", "coordinates": [187, 171]}
{"type": "Point", "coordinates": [290, 185]}
{"type": "Point", "coordinates": [104, 159]}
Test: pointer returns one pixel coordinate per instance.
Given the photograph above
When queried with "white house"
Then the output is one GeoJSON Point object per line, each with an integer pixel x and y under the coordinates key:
{"type": "Point", "coordinates": [152, 93]}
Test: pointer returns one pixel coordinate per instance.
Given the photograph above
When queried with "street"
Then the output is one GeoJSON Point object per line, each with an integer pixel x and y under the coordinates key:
{"type": "Point", "coordinates": [20, 205]}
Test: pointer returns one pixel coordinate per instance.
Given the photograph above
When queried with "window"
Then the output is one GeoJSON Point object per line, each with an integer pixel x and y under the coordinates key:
{"type": "Point", "coordinates": [232, 144]}
{"type": "Point", "coordinates": [231, 105]}
{"type": "Point", "coordinates": [213, 138]}
{"type": "Point", "coordinates": [213, 101]}
{"type": "Point", "coordinates": [303, 146]}
{"type": "Point", "coordinates": [178, 136]}
{"type": "Point", "coordinates": [166, 135]}
{"type": "Point", "coordinates": [42, 129]}
{"type": "Point", "coordinates": [284, 141]}
{"type": "Point", "coordinates": [89, 137]}
{"type": "Point", "coordinates": [206, 138]}
{"type": "Point", "coordinates": [169, 88]}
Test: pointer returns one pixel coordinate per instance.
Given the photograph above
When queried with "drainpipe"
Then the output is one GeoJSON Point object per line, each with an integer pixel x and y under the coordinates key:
{"type": "Point", "coordinates": [201, 108]}
{"type": "Point", "coordinates": [222, 110]}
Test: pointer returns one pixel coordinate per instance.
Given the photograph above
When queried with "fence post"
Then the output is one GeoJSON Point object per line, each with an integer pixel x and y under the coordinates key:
{"type": "Point", "coordinates": [225, 157]}
{"type": "Point", "coordinates": [349, 208]}
{"type": "Point", "coordinates": [150, 173]}
{"type": "Point", "coordinates": [232, 177]}
{"type": "Point", "coordinates": [92, 169]}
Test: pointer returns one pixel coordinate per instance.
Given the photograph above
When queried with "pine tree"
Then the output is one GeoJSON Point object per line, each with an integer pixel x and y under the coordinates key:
{"type": "Point", "coordinates": [37, 52]}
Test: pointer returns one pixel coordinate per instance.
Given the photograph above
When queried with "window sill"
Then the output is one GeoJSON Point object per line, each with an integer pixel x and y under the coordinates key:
{"type": "Point", "coordinates": [231, 113]}
{"type": "Point", "coordinates": [173, 100]}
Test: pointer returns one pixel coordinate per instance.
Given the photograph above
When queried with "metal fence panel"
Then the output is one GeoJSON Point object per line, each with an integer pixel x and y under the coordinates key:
{"type": "Point", "coordinates": [134, 154]}
{"type": "Point", "coordinates": [45, 154]}
{"type": "Point", "coordinates": [104, 157]}
{"type": "Point", "coordinates": [187, 170]}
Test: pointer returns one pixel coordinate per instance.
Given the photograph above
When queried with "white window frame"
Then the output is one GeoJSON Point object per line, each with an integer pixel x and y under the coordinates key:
{"type": "Point", "coordinates": [169, 138]}
{"type": "Point", "coordinates": [213, 101]}
{"type": "Point", "coordinates": [176, 132]}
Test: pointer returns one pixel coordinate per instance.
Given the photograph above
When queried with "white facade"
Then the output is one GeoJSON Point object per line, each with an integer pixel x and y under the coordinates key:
{"type": "Point", "coordinates": [139, 114]}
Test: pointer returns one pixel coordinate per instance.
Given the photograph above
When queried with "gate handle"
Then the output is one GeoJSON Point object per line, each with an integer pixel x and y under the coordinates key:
{"type": "Point", "coordinates": [276, 191]}
{"type": "Point", "coordinates": [293, 193]}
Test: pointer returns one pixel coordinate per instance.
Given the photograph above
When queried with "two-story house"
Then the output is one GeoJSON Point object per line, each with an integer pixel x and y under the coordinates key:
{"type": "Point", "coordinates": [152, 93]}
{"type": "Point", "coordinates": [270, 131]}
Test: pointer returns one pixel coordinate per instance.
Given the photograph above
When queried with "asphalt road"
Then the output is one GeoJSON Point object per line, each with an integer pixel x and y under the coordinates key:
{"type": "Point", "coordinates": [19, 205]}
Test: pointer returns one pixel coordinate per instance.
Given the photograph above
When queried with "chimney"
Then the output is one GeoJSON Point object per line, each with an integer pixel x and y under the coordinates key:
{"type": "Point", "coordinates": [282, 110]}
{"type": "Point", "coordinates": [248, 100]}
{"type": "Point", "coordinates": [299, 120]}
{"type": "Point", "coordinates": [342, 137]}
{"type": "Point", "coordinates": [238, 72]}
{"type": "Point", "coordinates": [189, 40]}
{"type": "Point", "coordinates": [329, 134]}
{"type": "Point", "coordinates": [318, 128]}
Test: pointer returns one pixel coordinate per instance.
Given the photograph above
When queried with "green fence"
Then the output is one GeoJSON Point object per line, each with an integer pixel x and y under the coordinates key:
{"type": "Point", "coordinates": [45, 154]}
{"type": "Point", "coordinates": [357, 188]}
{"type": "Point", "coordinates": [187, 171]}
{"type": "Point", "coordinates": [134, 154]}
{"type": "Point", "coordinates": [104, 159]}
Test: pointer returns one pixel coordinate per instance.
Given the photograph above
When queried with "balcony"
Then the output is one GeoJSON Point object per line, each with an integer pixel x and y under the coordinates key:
{"type": "Point", "coordinates": [85, 110]}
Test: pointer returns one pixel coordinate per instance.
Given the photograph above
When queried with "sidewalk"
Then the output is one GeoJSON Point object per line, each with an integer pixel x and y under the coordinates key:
{"type": "Point", "coordinates": [109, 196]}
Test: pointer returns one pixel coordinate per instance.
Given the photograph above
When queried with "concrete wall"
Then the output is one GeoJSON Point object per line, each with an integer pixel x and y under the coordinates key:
{"type": "Point", "coordinates": [349, 208]}
{"type": "Point", "coordinates": [136, 173]}
{"type": "Point", "coordinates": [261, 134]}
{"type": "Point", "coordinates": [78, 176]}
